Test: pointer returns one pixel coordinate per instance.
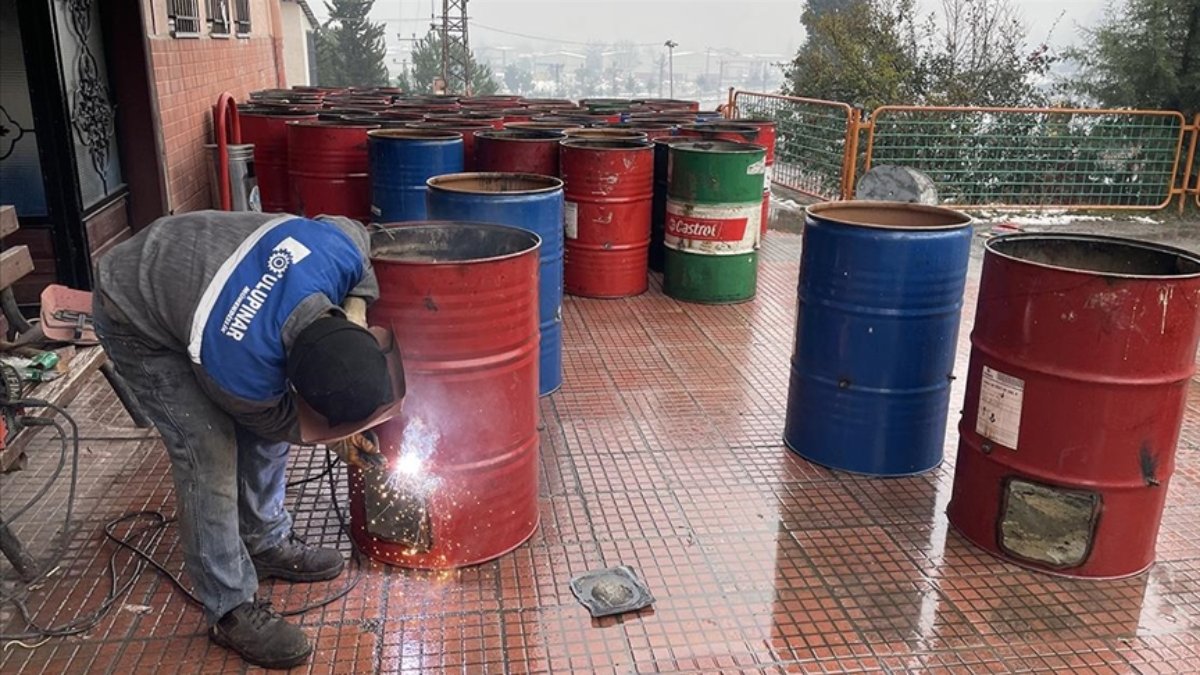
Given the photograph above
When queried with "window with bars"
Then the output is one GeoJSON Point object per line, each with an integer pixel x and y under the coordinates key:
{"type": "Point", "coordinates": [242, 17]}
{"type": "Point", "coordinates": [218, 17]}
{"type": "Point", "coordinates": [183, 17]}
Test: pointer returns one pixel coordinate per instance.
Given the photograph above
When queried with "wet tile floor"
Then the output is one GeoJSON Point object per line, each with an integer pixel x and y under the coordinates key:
{"type": "Point", "coordinates": [662, 451]}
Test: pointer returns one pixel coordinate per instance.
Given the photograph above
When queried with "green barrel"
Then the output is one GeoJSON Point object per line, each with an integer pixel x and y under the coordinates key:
{"type": "Point", "coordinates": [714, 213]}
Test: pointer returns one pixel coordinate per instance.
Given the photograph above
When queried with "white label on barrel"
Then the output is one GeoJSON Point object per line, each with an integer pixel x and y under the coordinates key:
{"type": "Point", "coordinates": [712, 230]}
{"type": "Point", "coordinates": [571, 219]}
{"type": "Point", "coordinates": [1000, 398]}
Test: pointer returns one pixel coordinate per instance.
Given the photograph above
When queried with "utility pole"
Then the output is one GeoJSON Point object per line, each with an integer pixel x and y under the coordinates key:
{"type": "Point", "coordinates": [662, 69]}
{"type": "Point", "coordinates": [456, 47]}
{"type": "Point", "coordinates": [671, 45]}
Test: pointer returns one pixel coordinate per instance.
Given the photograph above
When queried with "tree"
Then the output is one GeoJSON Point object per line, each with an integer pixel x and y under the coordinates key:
{"type": "Point", "coordinates": [351, 48]}
{"type": "Point", "coordinates": [518, 78]}
{"type": "Point", "coordinates": [873, 52]}
{"type": "Point", "coordinates": [427, 67]}
{"type": "Point", "coordinates": [865, 52]}
{"type": "Point", "coordinates": [1144, 54]}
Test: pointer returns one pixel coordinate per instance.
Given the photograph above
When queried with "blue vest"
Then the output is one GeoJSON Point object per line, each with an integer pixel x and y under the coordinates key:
{"type": "Point", "coordinates": [237, 331]}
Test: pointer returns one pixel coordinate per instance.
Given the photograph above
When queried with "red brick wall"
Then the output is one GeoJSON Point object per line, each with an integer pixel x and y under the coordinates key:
{"type": "Point", "coordinates": [189, 74]}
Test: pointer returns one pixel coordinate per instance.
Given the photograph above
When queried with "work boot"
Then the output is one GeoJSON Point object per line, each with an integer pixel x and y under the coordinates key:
{"type": "Point", "coordinates": [261, 636]}
{"type": "Point", "coordinates": [294, 560]}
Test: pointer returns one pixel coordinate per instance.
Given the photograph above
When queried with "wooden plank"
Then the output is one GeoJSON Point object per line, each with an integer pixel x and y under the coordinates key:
{"type": "Point", "coordinates": [15, 263]}
{"type": "Point", "coordinates": [60, 392]}
{"type": "Point", "coordinates": [8, 221]}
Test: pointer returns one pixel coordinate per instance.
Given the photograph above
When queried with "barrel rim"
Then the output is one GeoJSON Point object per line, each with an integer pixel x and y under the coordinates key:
{"type": "Point", "coordinates": [543, 126]}
{"type": "Point", "coordinates": [642, 124]}
{"type": "Point", "coordinates": [415, 134]}
{"type": "Point", "coordinates": [718, 146]}
{"type": "Point", "coordinates": [333, 124]}
{"type": "Point", "coordinates": [818, 211]}
{"type": "Point", "coordinates": [990, 249]}
{"type": "Point", "coordinates": [720, 127]}
{"type": "Point", "coordinates": [440, 182]}
{"type": "Point", "coordinates": [676, 140]}
{"type": "Point", "coordinates": [382, 228]}
{"type": "Point", "coordinates": [534, 135]}
{"type": "Point", "coordinates": [604, 133]}
{"type": "Point", "coordinates": [607, 144]}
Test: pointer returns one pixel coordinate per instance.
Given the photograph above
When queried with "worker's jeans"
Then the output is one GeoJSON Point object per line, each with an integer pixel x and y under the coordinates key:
{"type": "Point", "coordinates": [229, 483]}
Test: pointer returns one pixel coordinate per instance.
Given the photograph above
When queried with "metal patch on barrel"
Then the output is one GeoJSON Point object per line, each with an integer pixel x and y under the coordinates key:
{"type": "Point", "coordinates": [613, 591]}
{"type": "Point", "coordinates": [396, 515]}
{"type": "Point", "coordinates": [1050, 525]}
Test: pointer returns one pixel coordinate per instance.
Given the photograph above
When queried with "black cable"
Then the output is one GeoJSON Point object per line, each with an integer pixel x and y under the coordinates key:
{"type": "Point", "coordinates": [117, 589]}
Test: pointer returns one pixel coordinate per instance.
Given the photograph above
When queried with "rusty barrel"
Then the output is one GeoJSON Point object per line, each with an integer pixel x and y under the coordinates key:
{"type": "Point", "coordinates": [606, 217]}
{"type": "Point", "coordinates": [268, 132]}
{"type": "Point", "coordinates": [1081, 355]}
{"type": "Point", "coordinates": [402, 160]}
{"type": "Point", "coordinates": [878, 307]}
{"type": "Point", "coordinates": [327, 169]}
{"type": "Point", "coordinates": [518, 151]}
{"type": "Point", "coordinates": [461, 483]}
{"type": "Point", "coordinates": [523, 200]}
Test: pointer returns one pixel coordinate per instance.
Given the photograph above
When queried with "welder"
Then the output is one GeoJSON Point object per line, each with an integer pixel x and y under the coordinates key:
{"type": "Point", "coordinates": [235, 330]}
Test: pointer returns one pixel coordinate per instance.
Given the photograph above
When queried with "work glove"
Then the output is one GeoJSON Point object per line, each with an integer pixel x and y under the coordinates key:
{"type": "Point", "coordinates": [356, 310]}
{"type": "Point", "coordinates": [360, 450]}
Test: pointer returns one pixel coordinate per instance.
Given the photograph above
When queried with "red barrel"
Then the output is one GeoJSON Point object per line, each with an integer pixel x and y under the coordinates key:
{"type": "Point", "coordinates": [609, 190]}
{"type": "Point", "coordinates": [606, 133]}
{"type": "Point", "coordinates": [766, 138]}
{"type": "Point", "coordinates": [461, 485]}
{"type": "Point", "coordinates": [1081, 355]}
{"type": "Point", "coordinates": [269, 133]}
{"type": "Point", "coordinates": [468, 129]}
{"type": "Point", "coordinates": [517, 114]}
{"type": "Point", "coordinates": [544, 126]}
{"type": "Point", "coordinates": [652, 130]}
{"type": "Point", "coordinates": [493, 119]}
{"type": "Point", "coordinates": [518, 151]}
{"type": "Point", "coordinates": [327, 169]}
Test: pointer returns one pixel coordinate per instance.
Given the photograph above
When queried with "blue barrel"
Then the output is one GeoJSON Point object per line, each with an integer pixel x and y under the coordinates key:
{"type": "Point", "coordinates": [880, 295]}
{"type": "Point", "coordinates": [401, 161]}
{"type": "Point", "coordinates": [528, 201]}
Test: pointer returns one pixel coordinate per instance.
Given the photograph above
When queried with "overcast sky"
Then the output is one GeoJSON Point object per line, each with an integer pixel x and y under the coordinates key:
{"type": "Point", "coordinates": [748, 26]}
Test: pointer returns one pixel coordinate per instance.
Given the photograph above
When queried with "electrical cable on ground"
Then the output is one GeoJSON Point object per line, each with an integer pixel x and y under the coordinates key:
{"type": "Point", "coordinates": [134, 542]}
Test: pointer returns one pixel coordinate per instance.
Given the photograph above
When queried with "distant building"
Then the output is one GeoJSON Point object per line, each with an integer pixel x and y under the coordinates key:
{"type": "Point", "coordinates": [105, 108]}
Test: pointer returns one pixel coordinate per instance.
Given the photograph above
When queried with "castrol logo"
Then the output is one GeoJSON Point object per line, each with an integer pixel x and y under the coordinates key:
{"type": "Point", "coordinates": [705, 229]}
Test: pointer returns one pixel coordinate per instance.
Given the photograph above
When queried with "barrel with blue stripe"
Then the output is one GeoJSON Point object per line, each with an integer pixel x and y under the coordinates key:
{"type": "Point", "coordinates": [528, 201]}
{"type": "Point", "coordinates": [401, 161]}
{"type": "Point", "coordinates": [880, 295]}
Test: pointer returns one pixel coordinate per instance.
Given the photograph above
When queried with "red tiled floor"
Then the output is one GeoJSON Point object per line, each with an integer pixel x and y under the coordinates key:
{"type": "Point", "coordinates": [662, 451]}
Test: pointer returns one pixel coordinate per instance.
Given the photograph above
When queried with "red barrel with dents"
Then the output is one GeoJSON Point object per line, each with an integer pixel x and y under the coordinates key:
{"type": "Point", "coordinates": [609, 192]}
{"type": "Point", "coordinates": [461, 485]}
{"type": "Point", "coordinates": [1081, 356]}
{"type": "Point", "coordinates": [327, 169]}
{"type": "Point", "coordinates": [518, 151]}
{"type": "Point", "coordinates": [269, 133]}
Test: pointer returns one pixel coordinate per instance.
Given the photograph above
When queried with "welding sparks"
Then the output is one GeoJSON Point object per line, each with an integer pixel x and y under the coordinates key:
{"type": "Point", "coordinates": [416, 448]}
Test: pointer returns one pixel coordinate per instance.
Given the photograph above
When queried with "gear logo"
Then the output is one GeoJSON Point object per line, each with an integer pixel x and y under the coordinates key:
{"type": "Point", "coordinates": [287, 253]}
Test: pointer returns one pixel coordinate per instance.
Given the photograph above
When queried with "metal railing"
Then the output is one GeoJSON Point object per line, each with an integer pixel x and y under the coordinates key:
{"type": "Point", "coordinates": [816, 142]}
{"type": "Point", "coordinates": [1035, 157]}
{"type": "Point", "coordinates": [1001, 158]}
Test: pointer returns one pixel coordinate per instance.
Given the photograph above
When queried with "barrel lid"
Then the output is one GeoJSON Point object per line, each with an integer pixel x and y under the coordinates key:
{"type": "Point", "coordinates": [523, 134]}
{"type": "Point", "coordinates": [1095, 255]}
{"type": "Point", "coordinates": [889, 215]}
{"type": "Point", "coordinates": [495, 182]}
{"type": "Point", "coordinates": [449, 242]}
{"type": "Point", "coordinates": [410, 134]}
{"type": "Point", "coordinates": [725, 147]}
{"type": "Point", "coordinates": [606, 143]}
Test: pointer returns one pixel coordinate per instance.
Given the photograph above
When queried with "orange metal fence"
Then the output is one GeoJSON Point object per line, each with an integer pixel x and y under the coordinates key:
{"type": "Point", "coordinates": [1002, 158]}
{"type": "Point", "coordinates": [816, 142]}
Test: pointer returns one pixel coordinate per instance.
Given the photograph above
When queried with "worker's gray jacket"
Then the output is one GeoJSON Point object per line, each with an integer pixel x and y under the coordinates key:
{"type": "Point", "coordinates": [187, 283]}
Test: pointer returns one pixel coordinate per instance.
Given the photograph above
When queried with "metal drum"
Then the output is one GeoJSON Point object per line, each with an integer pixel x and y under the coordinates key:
{"type": "Point", "coordinates": [606, 133]}
{"type": "Point", "coordinates": [880, 296]}
{"type": "Point", "coordinates": [652, 130]}
{"type": "Point", "coordinates": [766, 138]}
{"type": "Point", "coordinates": [544, 126]}
{"type": "Point", "coordinates": [268, 133]}
{"type": "Point", "coordinates": [461, 485]}
{"type": "Point", "coordinates": [402, 160]}
{"type": "Point", "coordinates": [468, 128]}
{"type": "Point", "coordinates": [518, 151]}
{"type": "Point", "coordinates": [327, 169]}
{"type": "Point", "coordinates": [714, 197]}
{"type": "Point", "coordinates": [609, 190]}
{"type": "Point", "coordinates": [658, 210]}
{"type": "Point", "coordinates": [523, 200]}
{"type": "Point", "coordinates": [1081, 355]}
